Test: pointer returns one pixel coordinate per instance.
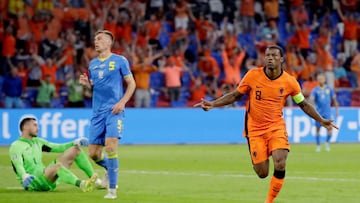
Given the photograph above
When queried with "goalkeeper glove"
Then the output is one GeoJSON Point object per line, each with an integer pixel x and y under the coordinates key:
{"type": "Point", "coordinates": [27, 180]}
{"type": "Point", "coordinates": [82, 141]}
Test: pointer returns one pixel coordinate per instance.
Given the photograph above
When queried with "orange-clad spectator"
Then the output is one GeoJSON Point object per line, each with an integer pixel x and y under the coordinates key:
{"type": "Point", "coordinates": [124, 29]}
{"type": "Point", "coordinates": [53, 29]}
{"type": "Point", "coordinates": [29, 11]}
{"type": "Point", "coordinates": [323, 38]}
{"type": "Point", "coordinates": [247, 13]}
{"type": "Point", "coordinates": [293, 63]}
{"type": "Point", "coordinates": [308, 68]}
{"type": "Point", "coordinates": [23, 31]}
{"type": "Point", "coordinates": [15, 7]}
{"type": "Point", "coordinates": [300, 16]}
{"type": "Point", "coordinates": [303, 34]}
{"type": "Point", "coordinates": [110, 24]}
{"type": "Point", "coordinates": [203, 26]}
{"type": "Point", "coordinates": [69, 48]}
{"type": "Point", "coordinates": [178, 58]}
{"type": "Point", "coordinates": [198, 90]}
{"type": "Point", "coordinates": [141, 37]}
{"type": "Point", "coordinates": [153, 27]}
{"type": "Point", "coordinates": [142, 69]}
{"type": "Point", "coordinates": [209, 67]}
{"type": "Point", "coordinates": [320, 44]}
{"type": "Point", "coordinates": [232, 65]}
{"type": "Point", "coordinates": [271, 9]}
{"type": "Point", "coordinates": [48, 67]}
{"type": "Point", "coordinates": [181, 14]}
{"type": "Point", "coordinates": [58, 12]}
{"type": "Point", "coordinates": [23, 73]}
{"type": "Point", "coordinates": [37, 26]}
{"type": "Point", "coordinates": [351, 25]}
{"type": "Point", "coordinates": [172, 74]}
{"type": "Point", "coordinates": [8, 50]}
{"type": "Point", "coordinates": [69, 54]}
{"type": "Point", "coordinates": [9, 44]}
{"type": "Point", "coordinates": [326, 63]}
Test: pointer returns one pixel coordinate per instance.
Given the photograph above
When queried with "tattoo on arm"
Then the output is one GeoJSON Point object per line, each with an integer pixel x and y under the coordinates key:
{"type": "Point", "coordinates": [310, 110]}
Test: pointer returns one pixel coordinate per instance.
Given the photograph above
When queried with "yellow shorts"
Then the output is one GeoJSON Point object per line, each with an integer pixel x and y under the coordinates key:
{"type": "Point", "coordinates": [261, 146]}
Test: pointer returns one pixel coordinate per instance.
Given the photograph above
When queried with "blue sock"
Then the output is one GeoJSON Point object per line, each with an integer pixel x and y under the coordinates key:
{"type": "Point", "coordinates": [112, 169]}
{"type": "Point", "coordinates": [317, 140]}
{"type": "Point", "coordinates": [103, 161]}
{"type": "Point", "coordinates": [328, 138]}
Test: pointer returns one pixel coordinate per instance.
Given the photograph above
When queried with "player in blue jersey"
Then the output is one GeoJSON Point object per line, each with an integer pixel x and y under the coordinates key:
{"type": "Point", "coordinates": [106, 75]}
{"type": "Point", "coordinates": [323, 97]}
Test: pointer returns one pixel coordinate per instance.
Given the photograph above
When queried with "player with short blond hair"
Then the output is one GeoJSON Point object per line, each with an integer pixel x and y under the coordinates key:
{"type": "Point", "coordinates": [107, 72]}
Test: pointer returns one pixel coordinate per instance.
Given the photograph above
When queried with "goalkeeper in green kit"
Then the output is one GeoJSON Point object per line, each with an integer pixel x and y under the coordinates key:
{"type": "Point", "coordinates": [26, 159]}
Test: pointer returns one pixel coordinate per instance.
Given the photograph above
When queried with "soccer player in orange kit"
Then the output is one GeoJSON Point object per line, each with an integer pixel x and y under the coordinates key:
{"type": "Point", "coordinates": [267, 88]}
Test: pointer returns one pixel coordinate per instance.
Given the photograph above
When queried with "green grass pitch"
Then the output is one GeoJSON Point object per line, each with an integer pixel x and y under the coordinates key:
{"type": "Point", "coordinates": [207, 174]}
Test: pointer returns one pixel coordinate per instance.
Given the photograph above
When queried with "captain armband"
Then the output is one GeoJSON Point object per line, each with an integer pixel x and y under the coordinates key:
{"type": "Point", "coordinates": [298, 98]}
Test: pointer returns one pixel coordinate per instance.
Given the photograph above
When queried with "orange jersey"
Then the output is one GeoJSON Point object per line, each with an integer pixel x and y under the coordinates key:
{"type": "Point", "coordinates": [266, 100]}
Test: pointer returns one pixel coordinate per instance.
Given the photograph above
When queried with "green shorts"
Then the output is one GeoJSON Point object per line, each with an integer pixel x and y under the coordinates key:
{"type": "Point", "coordinates": [41, 183]}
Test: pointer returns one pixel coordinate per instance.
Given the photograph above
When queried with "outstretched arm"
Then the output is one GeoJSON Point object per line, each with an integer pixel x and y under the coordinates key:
{"type": "Point", "coordinates": [339, 11]}
{"type": "Point", "coordinates": [38, 59]}
{"type": "Point", "coordinates": [310, 111]}
{"type": "Point", "coordinates": [226, 99]}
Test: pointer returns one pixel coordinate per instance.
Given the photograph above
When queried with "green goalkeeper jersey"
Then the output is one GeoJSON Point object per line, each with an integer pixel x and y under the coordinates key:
{"type": "Point", "coordinates": [26, 155]}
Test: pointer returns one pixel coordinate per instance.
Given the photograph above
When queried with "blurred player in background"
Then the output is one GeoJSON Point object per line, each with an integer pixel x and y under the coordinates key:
{"type": "Point", "coordinates": [106, 75]}
{"type": "Point", "coordinates": [323, 96]}
{"type": "Point", "coordinates": [26, 159]}
{"type": "Point", "coordinates": [265, 130]}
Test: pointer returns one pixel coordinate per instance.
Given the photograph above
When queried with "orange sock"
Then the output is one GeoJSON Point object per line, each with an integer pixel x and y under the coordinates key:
{"type": "Point", "coordinates": [275, 187]}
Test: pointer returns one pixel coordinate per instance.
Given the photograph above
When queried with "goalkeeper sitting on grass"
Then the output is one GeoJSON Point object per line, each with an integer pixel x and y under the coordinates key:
{"type": "Point", "coordinates": [26, 159]}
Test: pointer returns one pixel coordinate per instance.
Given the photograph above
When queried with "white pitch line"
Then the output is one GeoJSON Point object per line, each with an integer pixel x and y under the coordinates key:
{"type": "Point", "coordinates": [170, 173]}
{"type": "Point", "coordinates": [14, 188]}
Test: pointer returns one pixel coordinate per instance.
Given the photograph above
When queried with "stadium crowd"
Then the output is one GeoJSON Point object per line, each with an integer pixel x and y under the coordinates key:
{"type": "Point", "coordinates": [180, 50]}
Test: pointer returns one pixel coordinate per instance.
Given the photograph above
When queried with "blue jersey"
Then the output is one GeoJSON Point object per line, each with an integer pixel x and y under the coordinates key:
{"type": "Point", "coordinates": [323, 97]}
{"type": "Point", "coordinates": [107, 76]}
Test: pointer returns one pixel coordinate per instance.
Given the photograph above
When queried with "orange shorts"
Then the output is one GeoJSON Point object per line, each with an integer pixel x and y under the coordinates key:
{"type": "Point", "coordinates": [261, 146]}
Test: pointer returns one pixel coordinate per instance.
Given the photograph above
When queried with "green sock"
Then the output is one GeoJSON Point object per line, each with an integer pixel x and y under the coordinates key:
{"type": "Point", "coordinates": [83, 162]}
{"type": "Point", "coordinates": [66, 176]}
